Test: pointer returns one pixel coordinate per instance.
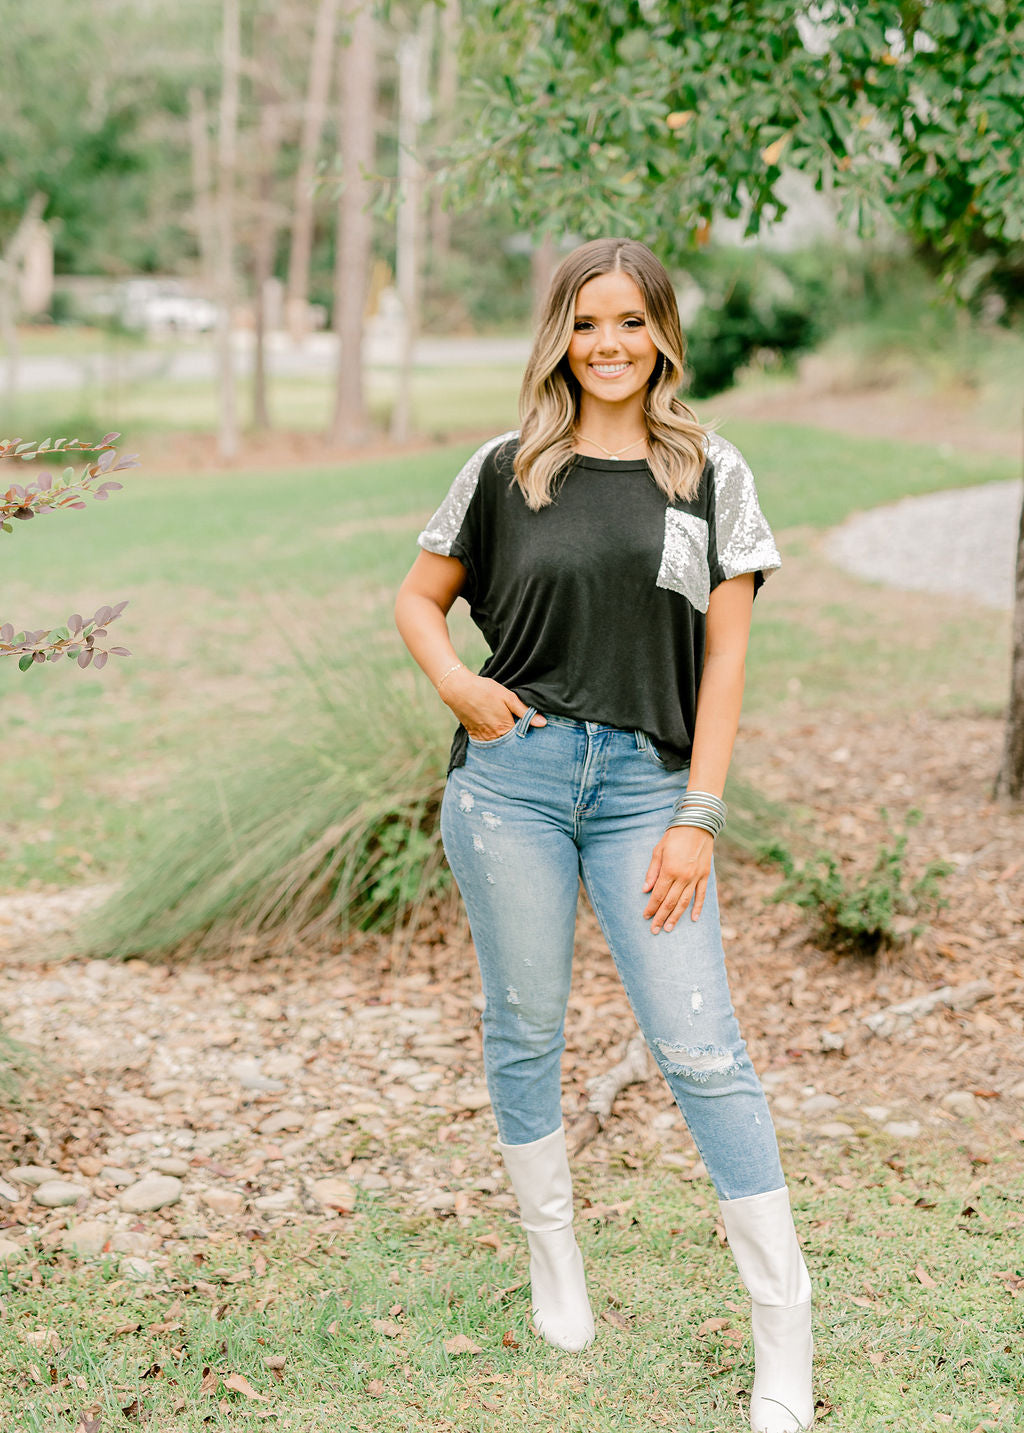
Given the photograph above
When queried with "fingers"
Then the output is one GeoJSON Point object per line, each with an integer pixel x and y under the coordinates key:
{"type": "Point", "coordinates": [672, 896]}
{"type": "Point", "coordinates": [653, 872]}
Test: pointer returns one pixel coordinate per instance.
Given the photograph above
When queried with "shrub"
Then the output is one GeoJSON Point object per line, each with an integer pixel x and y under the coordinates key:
{"type": "Point", "coordinates": [861, 915]}
{"type": "Point", "coordinates": [327, 830]}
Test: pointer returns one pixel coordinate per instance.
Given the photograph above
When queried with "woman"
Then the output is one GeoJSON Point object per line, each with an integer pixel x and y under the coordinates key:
{"type": "Point", "coordinates": [610, 552]}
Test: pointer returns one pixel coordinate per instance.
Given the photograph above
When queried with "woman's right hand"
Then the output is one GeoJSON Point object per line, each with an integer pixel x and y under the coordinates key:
{"type": "Point", "coordinates": [484, 707]}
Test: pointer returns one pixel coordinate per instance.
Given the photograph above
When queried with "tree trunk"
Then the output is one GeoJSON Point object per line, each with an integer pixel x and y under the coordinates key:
{"type": "Point", "coordinates": [543, 264]}
{"type": "Point", "coordinates": [413, 50]}
{"type": "Point", "coordinates": [202, 188]}
{"type": "Point", "coordinates": [357, 81]}
{"type": "Point", "coordinates": [1010, 781]}
{"type": "Point", "coordinates": [266, 219]}
{"type": "Point", "coordinates": [314, 113]}
{"type": "Point", "coordinates": [447, 87]}
{"type": "Point", "coordinates": [227, 144]}
{"type": "Point", "coordinates": [10, 267]}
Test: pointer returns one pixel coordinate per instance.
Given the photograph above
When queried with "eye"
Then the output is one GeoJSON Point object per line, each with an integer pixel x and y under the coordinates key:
{"type": "Point", "coordinates": [581, 324]}
{"type": "Point", "coordinates": [635, 322]}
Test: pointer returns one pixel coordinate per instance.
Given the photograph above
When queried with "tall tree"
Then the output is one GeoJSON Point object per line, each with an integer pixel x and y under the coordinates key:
{"type": "Point", "coordinates": [357, 86]}
{"type": "Point", "coordinates": [645, 118]}
{"type": "Point", "coordinates": [413, 109]}
{"type": "Point", "coordinates": [227, 164]}
{"type": "Point", "coordinates": [314, 113]}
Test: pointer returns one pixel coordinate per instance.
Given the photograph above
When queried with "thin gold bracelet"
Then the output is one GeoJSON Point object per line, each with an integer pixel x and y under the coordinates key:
{"type": "Point", "coordinates": [447, 674]}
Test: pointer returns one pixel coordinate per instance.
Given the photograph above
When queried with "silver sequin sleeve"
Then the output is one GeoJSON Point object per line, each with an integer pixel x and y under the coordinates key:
{"type": "Point", "coordinates": [743, 537]}
{"type": "Point", "coordinates": [443, 528]}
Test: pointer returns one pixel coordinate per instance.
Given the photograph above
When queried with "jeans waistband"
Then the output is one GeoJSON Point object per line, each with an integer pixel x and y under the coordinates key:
{"type": "Point", "coordinates": [591, 727]}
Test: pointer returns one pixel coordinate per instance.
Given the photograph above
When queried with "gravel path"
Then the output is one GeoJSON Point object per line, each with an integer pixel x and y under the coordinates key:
{"type": "Point", "coordinates": [960, 541]}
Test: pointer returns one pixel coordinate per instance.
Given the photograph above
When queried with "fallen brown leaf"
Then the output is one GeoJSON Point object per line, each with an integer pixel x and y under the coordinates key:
{"type": "Point", "coordinates": [240, 1384]}
{"type": "Point", "coordinates": [459, 1343]}
{"type": "Point", "coordinates": [712, 1326]}
{"type": "Point", "coordinates": [923, 1277]}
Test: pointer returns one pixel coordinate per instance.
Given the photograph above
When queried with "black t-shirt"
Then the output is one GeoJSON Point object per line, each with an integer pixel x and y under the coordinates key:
{"type": "Point", "coordinates": [594, 607]}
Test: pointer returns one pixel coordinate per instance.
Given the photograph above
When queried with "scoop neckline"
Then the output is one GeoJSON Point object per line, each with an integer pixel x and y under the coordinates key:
{"type": "Point", "coordinates": [611, 465]}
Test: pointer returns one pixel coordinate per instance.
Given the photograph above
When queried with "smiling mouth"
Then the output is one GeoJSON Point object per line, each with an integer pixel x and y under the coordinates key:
{"type": "Point", "coordinates": [610, 370]}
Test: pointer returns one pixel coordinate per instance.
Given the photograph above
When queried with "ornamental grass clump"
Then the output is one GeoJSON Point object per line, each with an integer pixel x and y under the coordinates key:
{"type": "Point", "coordinates": [866, 914]}
{"type": "Point", "coordinates": [329, 826]}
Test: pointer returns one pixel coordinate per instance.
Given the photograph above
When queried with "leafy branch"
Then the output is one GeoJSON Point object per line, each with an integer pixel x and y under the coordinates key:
{"type": "Point", "coordinates": [44, 494]}
{"type": "Point", "coordinates": [76, 640]}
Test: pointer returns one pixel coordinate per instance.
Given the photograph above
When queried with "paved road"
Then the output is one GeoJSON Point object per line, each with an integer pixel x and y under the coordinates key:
{"type": "Point", "coordinates": [197, 361]}
{"type": "Point", "coordinates": [962, 541]}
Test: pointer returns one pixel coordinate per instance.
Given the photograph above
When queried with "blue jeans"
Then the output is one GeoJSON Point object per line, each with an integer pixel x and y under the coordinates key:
{"type": "Point", "coordinates": [521, 821]}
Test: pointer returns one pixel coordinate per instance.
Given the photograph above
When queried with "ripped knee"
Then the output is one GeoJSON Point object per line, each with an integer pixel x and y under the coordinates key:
{"type": "Point", "coordinates": [699, 1063]}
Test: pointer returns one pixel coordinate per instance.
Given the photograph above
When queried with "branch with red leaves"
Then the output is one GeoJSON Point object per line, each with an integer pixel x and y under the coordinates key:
{"type": "Point", "coordinates": [45, 494]}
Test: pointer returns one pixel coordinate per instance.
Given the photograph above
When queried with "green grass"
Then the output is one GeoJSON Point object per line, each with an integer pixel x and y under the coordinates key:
{"type": "Point", "coordinates": [915, 1328]}
{"type": "Point", "coordinates": [228, 574]}
{"type": "Point", "coordinates": [444, 401]}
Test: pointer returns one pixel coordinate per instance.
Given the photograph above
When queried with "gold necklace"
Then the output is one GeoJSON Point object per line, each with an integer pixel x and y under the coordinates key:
{"type": "Point", "coordinates": [608, 450]}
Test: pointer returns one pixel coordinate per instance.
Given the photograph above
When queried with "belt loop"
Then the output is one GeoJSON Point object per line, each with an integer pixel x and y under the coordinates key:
{"type": "Point", "coordinates": [523, 724]}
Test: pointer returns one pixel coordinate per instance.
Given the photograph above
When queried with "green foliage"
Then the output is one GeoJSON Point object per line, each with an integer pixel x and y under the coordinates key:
{"type": "Point", "coordinates": [76, 640]}
{"type": "Point", "coordinates": [867, 913]}
{"type": "Point", "coordinates": [334, 830]}
{"type": "Point", "coordinates": [648, 120]}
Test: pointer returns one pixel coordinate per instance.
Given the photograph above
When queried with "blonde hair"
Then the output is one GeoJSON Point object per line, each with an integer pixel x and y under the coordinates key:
{"type": "Point", "coordinates": [549, 398]}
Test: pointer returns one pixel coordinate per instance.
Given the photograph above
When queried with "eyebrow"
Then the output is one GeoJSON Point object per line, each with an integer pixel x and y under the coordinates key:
{"type": "Point", "coordinates": [629, 313]}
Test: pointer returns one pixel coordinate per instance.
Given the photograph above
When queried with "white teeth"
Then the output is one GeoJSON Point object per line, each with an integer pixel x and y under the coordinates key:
{"type": "Point", "coordinates": [609, 367]}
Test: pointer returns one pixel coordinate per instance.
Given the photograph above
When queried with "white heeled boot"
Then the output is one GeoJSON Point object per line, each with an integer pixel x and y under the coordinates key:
{"type": "Point", "coordinates": [764, 1244]}
{"type": "Point", "coordinates": [540, 1176]}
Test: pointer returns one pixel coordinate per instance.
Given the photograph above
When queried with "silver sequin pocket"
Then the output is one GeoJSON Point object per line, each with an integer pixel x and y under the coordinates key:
{"type": "Point", "coordinates": [684, 558]}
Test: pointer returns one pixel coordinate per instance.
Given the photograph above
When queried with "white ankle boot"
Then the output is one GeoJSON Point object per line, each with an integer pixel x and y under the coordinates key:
{"type": "Point", "coordinates": [764, 1245]}
{"type": "Point", "coordinates": [540, 1176]}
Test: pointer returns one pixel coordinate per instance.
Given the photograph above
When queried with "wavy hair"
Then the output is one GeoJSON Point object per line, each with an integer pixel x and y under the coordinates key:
{"type": "Point", "coordinates": [549, 399]}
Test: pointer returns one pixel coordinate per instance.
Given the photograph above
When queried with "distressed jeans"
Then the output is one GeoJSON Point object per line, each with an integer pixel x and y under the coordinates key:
{"type": "Point", "coordinates": [528, 814]}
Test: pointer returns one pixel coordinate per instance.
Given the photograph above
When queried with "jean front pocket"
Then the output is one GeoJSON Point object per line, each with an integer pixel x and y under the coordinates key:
{"type": "Point", "coordinates": [646, 745]}
{"type": "Point", "coordinates": [518, 728]}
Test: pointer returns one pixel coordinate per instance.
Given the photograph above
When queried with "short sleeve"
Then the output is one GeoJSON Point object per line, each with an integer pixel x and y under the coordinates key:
{"type": "Point", "coordinates": [455, 530]}
{"type": "Point", "coordinates": [741, 540]}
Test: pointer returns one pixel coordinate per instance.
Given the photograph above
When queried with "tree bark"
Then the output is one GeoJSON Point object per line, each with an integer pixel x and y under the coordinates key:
{"type": "Point", "coordinates": [543, 263]}
{"type": "Point", "coordinates": [202, 188]}
{"type": "Point", "coordinates": [227, 163]}
{"type": "Point", "coordinates": [266, 221]}
{"type": "Point", "coordinates": [313, 115]}
{"type": "Point", "coordinates": [1010, 781]}
{"type": "Point", "coordinates": [447, 89]}
{"type": "Point", "coordinates": [357, 80]}
{"type": "Point", "coordinates": [10, 265]}
{"type": "Point", "coordinates": [413, 51]}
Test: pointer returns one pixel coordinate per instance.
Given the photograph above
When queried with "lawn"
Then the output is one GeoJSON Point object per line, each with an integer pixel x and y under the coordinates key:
{"type": "Point", "coordinates": [918, 1313]}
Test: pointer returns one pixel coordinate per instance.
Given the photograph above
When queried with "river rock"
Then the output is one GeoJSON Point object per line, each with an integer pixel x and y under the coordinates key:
{"type": "Point", "coordinates": [223, 1201]}
{"type": "Point", "coordinates": [56, 1193]}
{"type": "Point", "coordinates": [85, 1238]}
{"type": "Point", "coordinates": [155, 1191]}
{"type": "Point", "coordinates": [283, 1120]}
{"type": "Point", "coordinates": [960, 1103]}
{"type": "Point", "coordinates": [134, 1268]}
{"type": "Point", "coordinates": [8, 1192]}
{"type": "Point", "coordinates": [33, 1174]}
{"type": "Point", "coordinates": [903, 1129]}
{"type": "Point", "coordinates": [9, 1251]}
{"type": "Point", "coordinates": [133, 1241]}
{"type": "Point", "coordinates": [171, 1164]}
{"type": "Point", "coordinates": [334, 1194]}
{"type": "Point", "coordinates": [836, 1129]}
{"type": "Point", "coordinates": [115, 1174]}
{"type": "Point", "coordinates": [819, 1105]}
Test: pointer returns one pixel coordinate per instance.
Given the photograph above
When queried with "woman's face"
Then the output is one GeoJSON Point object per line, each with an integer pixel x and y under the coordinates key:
{"type": "Point", "coordinates": [611, 353]}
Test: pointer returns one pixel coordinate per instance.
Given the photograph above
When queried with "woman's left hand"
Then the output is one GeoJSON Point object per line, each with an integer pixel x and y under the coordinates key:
{"type": "Point", "coordinates": [678, 873]}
